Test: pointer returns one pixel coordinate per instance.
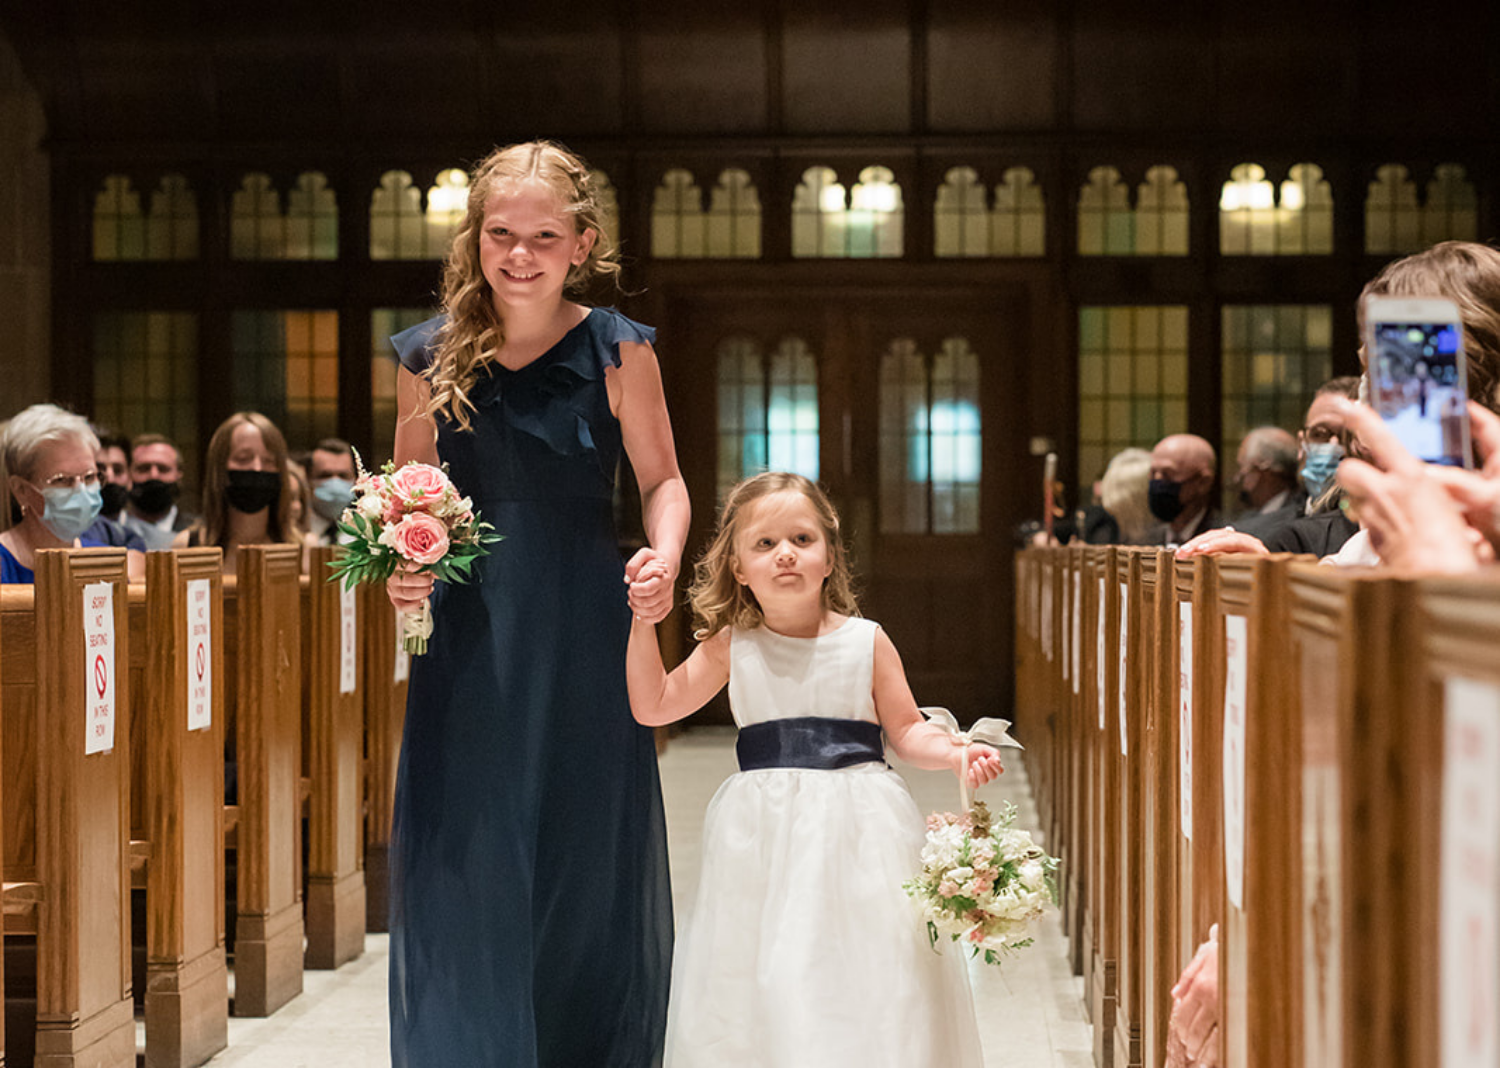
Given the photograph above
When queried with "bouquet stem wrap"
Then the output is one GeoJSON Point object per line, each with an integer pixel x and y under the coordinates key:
{"type": "Point", "coordinates": [416, 628]}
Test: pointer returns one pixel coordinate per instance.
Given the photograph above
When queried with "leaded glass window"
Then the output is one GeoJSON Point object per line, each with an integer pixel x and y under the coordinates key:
{"type": "Point", "coordinates": [146, 377]}
{"type": "Point", "coordinates": [768, 410]}
{"type": "Point", "coordinates": [729, 229]}
{"type": "Point", "coordinates": [169, 231]}
{"type": "Point", "coordinates": [286, 367]}
{"type": "Point", "coordinates": [1253, 223]}
{"type": "Point", "coordinates": [1395, 221]}
{"type": "Point", "coordinates": [963, 224]}
{"type": "Point", "coordinates": [930, 439]}
{"type": "Point", "coordinates": [869, 224]}
{"type": "Point", "coordinates": [1132, 379]}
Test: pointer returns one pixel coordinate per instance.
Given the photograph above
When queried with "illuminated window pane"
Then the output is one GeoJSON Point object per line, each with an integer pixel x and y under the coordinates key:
{"type": "Point", "coordinates": [929, 439]}
{"type": "Point", "coordinates": [1132, 382]}
{"type": "Point", "coordinates": [1393, 221]}
{"type": "Point", "coordinates": [1253, 223]}
{"type": "Point", "coordinates": [146, 377]}
{"type": "Point", "coordinates": [447, 205]}
{"type": "Point", "coordinates": [1247, 213]}
{"type": "Point", "coordinates": [677, 217]}
{"type": "Point", "coordinates": [869, 225]}
{"type": "Point", "coordinates": [1304, 218]}
{"type": "Point", "coordinates": [1273, 358]}
{"type": "Point", "coordinates": [1452, 211]}
{"type": "Point", "coordinates": [119, 229]}
{"type": "Point", "coordinates": [734, 217]}
{"type": "Point", "coordinates": [172, 227]}
{"type": "Point", "coordinates": [398, 227]}
{"type": "Point", "coordinates": [768, 410]}
{"type": "Point", "coordinates": [286, 368]}
{"type": "Point", "coordinates": [729, 229]}
{"type": "Point", "coordinates": [312, 224]}
{"type": "Point", "coordinates": [1161, 216]}
{"type": "Point", "coordinates": [385, 323]}
{"type": "Point", "coordinates": [1106, 225]}
{"type": "Point", "coordinates": [960, 216]}
{"type": "Point", "coordinates": [1020, 217]}
{"type": "Point", "coordinates": [257, 230]}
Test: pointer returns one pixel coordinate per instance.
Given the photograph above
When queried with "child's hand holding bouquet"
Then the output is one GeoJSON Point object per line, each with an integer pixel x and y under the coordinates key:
{"type": "Point", "coordinates": [982, 881]}
{"type": "Point", "coordinates": [415, 521]}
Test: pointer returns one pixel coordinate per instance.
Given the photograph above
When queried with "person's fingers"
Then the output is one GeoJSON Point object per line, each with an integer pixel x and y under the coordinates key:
{"type": "Point", "coordinates": [1484, 429]}
{"type": "Point", "coordinates": [1377, 440]}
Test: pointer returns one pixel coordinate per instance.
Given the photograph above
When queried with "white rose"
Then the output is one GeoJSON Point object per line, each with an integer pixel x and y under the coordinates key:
{"type": "Point", "coordinates": [369, 506]}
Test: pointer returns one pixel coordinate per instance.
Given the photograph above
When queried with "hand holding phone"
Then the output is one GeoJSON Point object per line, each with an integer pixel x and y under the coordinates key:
{"type": "Point", "coordinates": [1414, 355]}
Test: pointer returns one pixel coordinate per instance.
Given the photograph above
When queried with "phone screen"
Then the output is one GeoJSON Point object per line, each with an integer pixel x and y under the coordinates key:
{"type": "Point", "coordinates": [1417, 385]}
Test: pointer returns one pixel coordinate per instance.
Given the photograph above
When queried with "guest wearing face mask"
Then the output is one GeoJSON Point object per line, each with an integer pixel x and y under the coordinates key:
{"type": "Point", "coordinates": [330, 469]}
{"type": "Point", "coordinates": [153, 510]}
{"type": "Point", "coordinates": [1267, 478]}
{"type": "Point", "coordinates": [1181, 489]}
{"type": "Point", "coordinates": [1319, 442]}
{"type": "Point", "coordinates": [113, 463]}
{"type": "Point", "coordinates": [247, 490]}
{"type": "Point", "coordinates": [51, 489]}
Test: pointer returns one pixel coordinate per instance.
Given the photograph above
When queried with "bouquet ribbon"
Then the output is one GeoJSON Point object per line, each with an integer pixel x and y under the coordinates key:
{"type": "Point", "coordinates": [993, 731]}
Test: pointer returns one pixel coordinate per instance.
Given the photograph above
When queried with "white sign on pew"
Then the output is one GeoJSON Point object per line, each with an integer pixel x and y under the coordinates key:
{"type": "Point", "coordinates": [1077, 631]}
{"type": "Point", "coordinates": [99, 667]}
{"type": "Point", "coordinates": [200, 662]}
{"type": "Point", "coordinates": [348, 640]}
{"type": "Point", "coordinates": [1067, 630]}
{"type": "Point", "coordinates": [1099, 659]}
{"type": "Point", "coordinates": [1185, 714]}
{"type": "Point", "coordinates": [1236, 656]}
{"type": "Point", "coordinates": [1469, 930]}
{"type": "Point", "coordinates": [1124, 647]}
{"type": "Point", "coordinates": [1047, 612]}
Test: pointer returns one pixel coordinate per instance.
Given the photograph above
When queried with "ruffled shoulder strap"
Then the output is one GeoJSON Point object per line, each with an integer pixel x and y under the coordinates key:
{"type": "Point", "coordinates": [608, 328]}
{"type": "Point", "coordinates": [415, 345]}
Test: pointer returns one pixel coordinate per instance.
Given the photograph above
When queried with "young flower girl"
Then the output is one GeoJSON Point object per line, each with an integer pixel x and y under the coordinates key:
{"type": "Point", "coordinates": [802, 948]}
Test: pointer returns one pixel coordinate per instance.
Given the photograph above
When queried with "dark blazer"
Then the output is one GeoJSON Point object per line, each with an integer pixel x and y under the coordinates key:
{"type": "Point", "coordinates": [1321, 534]}
{"type": "Point", "coordinates": [1263, 525]}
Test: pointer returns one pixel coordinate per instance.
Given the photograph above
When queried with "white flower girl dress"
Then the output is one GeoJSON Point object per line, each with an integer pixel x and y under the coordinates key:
{"type": "Point", "coordinates": [801, 948]}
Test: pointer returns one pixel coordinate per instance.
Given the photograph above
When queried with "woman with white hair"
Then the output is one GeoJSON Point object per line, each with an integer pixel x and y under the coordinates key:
{"type": "Point", "coordinates": [50, 490]}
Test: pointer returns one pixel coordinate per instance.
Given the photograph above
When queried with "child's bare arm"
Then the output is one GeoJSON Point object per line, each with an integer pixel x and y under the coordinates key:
{"type": "Point", "coordinates": [657, 698]}
{"type": "Point", "coordinates": [914, 739]}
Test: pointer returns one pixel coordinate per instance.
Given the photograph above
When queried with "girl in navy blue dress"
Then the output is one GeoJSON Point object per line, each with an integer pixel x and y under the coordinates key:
{"type": "Point", "coordinates": [531, 920]}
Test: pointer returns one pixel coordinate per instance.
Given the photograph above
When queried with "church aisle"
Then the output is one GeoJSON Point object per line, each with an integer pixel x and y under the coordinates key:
{"type": "Point", "coordinates": [1030, 1011]}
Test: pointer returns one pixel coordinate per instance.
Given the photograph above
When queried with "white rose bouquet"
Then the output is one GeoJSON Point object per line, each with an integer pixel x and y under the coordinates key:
{"type": "Point", "coordinates": [414, 514]}
{"type": "Point", "coordinates": [983, 882]}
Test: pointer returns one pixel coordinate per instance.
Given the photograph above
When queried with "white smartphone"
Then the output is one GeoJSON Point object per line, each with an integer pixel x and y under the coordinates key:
{"type": "Point", "coordinates": [1414, 355]}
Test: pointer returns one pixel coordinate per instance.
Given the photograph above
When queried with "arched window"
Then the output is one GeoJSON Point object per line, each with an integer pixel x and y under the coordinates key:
{"type": "Point", "coordinates": [768, 410]}
{"type": "Point", "coordinates": [869, 225]}
{"type": "Point", "coordinates": [1161, 214]}
{"type": "Point", "coordinates": [447, 205]}
{"type": "Point", "coordinates": [734, 217]}
{"type": "Point", "coordinates": [312, 219]}
{"type": "Point", "coordinates": [730, 229]}
{"type": "Point", "coordinates": [259, 231]}
{"type": "Point", "coordinates": [398, 228]}
{"type": "Point", "coordinates": [1132, 380]}
{"type": "Point", "coordinates": [964, 226]}
{"type": "Point", "coordinates": [677, 217]}
{"type": "Point", "coordinates": [930, 439]}
{"type": "Point", "coordinates": [1252, 223]}
{"type": "Point", "coordinates": [121, 231]}
{"type": "Point", "coordinates": [1395, 222]}
{"type": "Point", "coordinates": [1106, 225]}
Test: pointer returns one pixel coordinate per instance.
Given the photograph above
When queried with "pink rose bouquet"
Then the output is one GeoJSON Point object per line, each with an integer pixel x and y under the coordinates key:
{"type": "Point", "coordinates": [414, 515]}
{"type": "Point", "coordinates": [983, 882]}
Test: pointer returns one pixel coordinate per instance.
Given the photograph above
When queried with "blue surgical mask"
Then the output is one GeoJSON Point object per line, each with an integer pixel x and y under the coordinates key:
{"type": "Point", "coordinates": [331, 497]}
{"type": "Point", "coordinates": [71, 511]}
{"type": "Point", "coordinates": [1320, 466]}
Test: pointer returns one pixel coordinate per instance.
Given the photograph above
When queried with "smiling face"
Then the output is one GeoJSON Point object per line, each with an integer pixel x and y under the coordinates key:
{"type": "Point", "coordinates": [528, 244]}
{"type": "Point", "coordinates": [781, 551]}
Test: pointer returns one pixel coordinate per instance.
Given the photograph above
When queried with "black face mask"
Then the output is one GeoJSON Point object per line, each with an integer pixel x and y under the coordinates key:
{"type": "Point", "coordinates": [253, 491]}
{"type": "Point", "coordinates": [152, 497]}
{"type": "Point", "coordinates": [1164, 497]}
{"type": "Point", "coordinates": [114, 496]}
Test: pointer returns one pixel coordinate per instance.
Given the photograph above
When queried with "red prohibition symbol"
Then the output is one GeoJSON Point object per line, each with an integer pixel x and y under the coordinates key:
{"type": "Point", "coordinates": [200, 661]}
{"type": "Point", "coordinates": [101, 674]}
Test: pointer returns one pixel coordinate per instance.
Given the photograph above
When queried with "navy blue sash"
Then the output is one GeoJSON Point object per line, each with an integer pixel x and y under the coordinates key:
{"type": "Point", "coordinates": [809, 742]}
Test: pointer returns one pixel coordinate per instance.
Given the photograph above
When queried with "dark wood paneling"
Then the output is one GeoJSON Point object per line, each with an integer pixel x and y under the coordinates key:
{"type": "Point", "coordinates": [992, 68]}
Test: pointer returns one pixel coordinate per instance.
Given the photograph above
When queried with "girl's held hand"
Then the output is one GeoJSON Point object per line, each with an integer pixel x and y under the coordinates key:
{"type": "Point", "coordinates": [984, 764]}
{"type": "Point", "coordinates": [408, 588]}
{"type": "Point", "coordinates": [650, 579]}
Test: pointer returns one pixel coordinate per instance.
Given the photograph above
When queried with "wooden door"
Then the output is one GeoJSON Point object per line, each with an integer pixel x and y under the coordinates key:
{"type": "Point", "coordinates": [929, 532]}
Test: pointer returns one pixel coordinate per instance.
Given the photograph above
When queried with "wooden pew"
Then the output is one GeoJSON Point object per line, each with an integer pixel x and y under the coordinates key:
{"type": "Point", "coordinates": [333, 760]}
{"type": "Point", "coordinates": [1160, 802]}
{"type": "Point", "coordinates": [1132, 670]}
{"type": "Point", "coordinates": [1260, 934]}
{"type": "Point", "coordinates": [386, 666]}
{"type": "Point", "coordinates": [1073, 783]}
{"type": "Point", "coordinates": [66, 810]}
{"type": "Point", "coordinates": [263, 625]}
{"type": "Point", "coordinates": [1104, 849]}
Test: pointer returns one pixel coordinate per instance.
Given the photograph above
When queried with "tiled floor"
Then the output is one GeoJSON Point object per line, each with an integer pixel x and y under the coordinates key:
{"type": "Point", "coordinates": [1030, 1012]}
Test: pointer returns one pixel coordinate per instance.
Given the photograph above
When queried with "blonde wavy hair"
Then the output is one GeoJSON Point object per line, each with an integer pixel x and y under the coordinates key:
{"type": "Point", "coordinates": [474, 331]}
{"type": "Point", "coordinates": [720, 600]}
{"type": "Point", "coordinates": [1468, 274]}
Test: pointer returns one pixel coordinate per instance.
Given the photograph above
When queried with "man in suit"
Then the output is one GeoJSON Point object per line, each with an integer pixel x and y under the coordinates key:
{"type": "Point", "coordinates": [1267, 478]}
{"type": "Point", "coordinates": [1182, 487]}
{"type": "Point", "coordinates": [152, 511]}
{"type": "Point", "coordinates": [330, 473]}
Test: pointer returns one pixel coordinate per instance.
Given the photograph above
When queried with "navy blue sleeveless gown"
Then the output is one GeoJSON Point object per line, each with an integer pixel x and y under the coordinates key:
{"type": "Point", "coordinates": [531, 915]}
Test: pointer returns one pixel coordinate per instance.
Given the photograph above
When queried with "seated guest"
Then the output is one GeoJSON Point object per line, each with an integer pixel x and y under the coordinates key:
{"type": "Point", "coordinates": [156, 485]}
{"type": "Point", "coordinates": [1320, 444]}
{"type": "Point", "coordinates": [113, 462]}
{"type": "Point", "coordinates": [51, 489]}
{"type": "Point", "coordinates": [1267, 479]}
{"type": "Point", "coordinates": [247, 489]}
{"type": "Point", "coordinates": [1181, 490]}
{"type": "Point", "coordinates": [1124, 490]}
{"type": "Point", "coordinates": [330, 470]}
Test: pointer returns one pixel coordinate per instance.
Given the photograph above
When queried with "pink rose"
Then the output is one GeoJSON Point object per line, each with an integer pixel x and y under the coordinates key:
{"type": "Point", "coordinates": [419, 487]}
{"type": "Point", "coordinates": [420, 538]}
